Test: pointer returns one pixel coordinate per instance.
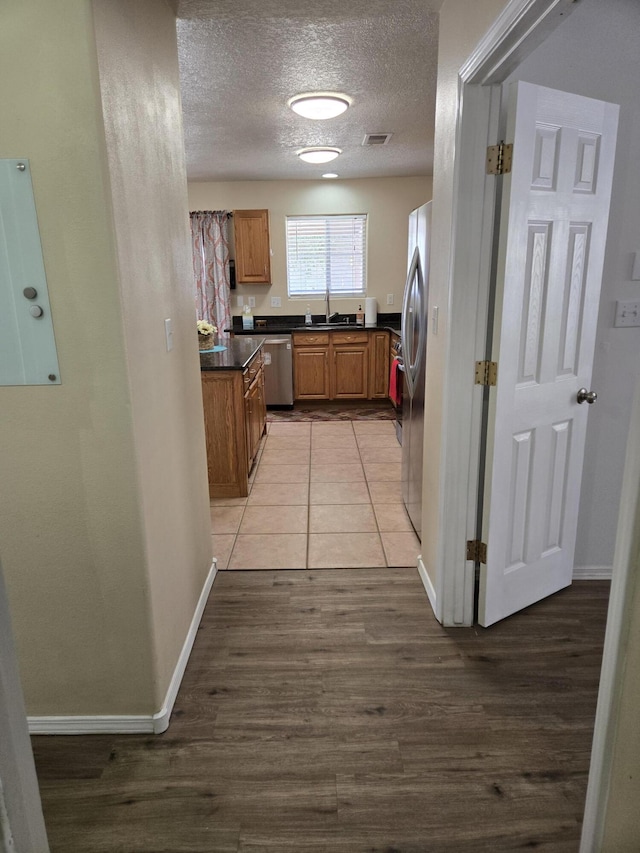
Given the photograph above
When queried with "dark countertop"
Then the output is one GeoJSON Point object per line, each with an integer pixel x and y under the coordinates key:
{"type": "Point", "coordinates": [237, 355]}
{"type": "Point", "coordinates": [286, 324]}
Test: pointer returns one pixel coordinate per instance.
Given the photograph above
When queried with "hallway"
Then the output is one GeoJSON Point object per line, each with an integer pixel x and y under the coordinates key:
{"type": "Point", "coordinates": [328, 712]}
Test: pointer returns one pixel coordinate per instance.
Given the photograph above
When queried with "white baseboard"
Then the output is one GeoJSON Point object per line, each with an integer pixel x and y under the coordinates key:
{"type": "Point", "coordinates": [429, 587]}
{"type": "Point", "coordinates": [109, 724]}
{"type": "Point", "coordinates": [592, 573]}
{"type": "Point", "coordinates": [134, 723]}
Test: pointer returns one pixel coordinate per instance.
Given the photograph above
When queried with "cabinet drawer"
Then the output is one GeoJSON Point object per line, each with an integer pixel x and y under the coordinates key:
{"type": "Point", "coordinates": [309, 339]}
{"type": "Point", "coordinates": [350, 337]}
{"type": "Point", "coordinates": [252, 370]}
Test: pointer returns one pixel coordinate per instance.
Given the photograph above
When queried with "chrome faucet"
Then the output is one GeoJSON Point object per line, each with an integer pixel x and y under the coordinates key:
{"type": "Point", "coordinates": [328, 315]}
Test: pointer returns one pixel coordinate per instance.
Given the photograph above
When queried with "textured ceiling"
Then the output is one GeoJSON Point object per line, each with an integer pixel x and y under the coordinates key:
{"type": "Point", "coordinates": [241, 60]}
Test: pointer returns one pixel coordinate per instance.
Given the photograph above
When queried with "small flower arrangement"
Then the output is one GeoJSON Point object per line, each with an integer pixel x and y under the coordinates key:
{"type": "Point", "coordinates": [206, 331]}
{"type": "Point", "coordinates": [205, 328]}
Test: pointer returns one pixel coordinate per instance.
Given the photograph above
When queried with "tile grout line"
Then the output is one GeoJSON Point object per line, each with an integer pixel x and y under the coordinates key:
{"type": "Point", "coordinates": [366, 479]}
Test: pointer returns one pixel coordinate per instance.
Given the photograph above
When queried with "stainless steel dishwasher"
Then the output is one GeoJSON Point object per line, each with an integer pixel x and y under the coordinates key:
{"type": "Point", "coordinates": [278, 370]}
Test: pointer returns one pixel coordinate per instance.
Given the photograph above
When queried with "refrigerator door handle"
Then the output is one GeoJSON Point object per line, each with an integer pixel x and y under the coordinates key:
{"type": "Point", "coordinates": [408, 305]}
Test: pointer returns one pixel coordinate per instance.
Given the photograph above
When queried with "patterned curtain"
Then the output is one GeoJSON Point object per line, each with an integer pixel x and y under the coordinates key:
{"type": "Point", "coordinates": [210, 244]}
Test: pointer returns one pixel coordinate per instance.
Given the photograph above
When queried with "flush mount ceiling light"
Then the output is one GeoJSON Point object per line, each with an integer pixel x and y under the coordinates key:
{"type": "Point", "coordinates": [319, 105]}
{"type": "Point", "coordinates": [319, 155]}
{"type": "Point", "coordinates": [330, 175]}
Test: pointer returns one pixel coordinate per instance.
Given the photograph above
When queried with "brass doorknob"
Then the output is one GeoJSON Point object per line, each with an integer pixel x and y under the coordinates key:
{"type": "Point", "coordinates": [585, 396]}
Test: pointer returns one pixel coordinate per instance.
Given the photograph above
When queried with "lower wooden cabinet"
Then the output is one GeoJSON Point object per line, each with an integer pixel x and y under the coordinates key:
{"type": "Point", "coordinates": [311, 366]}
{"type": "Point", "coordinates": [234, 418]}
{"type": "Point", "coordinates": [350, 365]}
{"type": "Point", "coordinates": [255, 415]}
{"type": "Point", "coordinates": [379, 365]}
{"type": "Point", "coordinates": [341, 365]}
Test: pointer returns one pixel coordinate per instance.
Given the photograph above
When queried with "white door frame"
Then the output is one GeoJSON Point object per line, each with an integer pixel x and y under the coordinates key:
{"type": "Point", "coordinates": [21, 822]}
{"type": "Point", "coordinates": [516, 32]}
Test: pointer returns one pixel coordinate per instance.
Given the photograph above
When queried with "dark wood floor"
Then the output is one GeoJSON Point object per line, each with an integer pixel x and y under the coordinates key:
{"type": "Point", "coordinates": [328, 711]}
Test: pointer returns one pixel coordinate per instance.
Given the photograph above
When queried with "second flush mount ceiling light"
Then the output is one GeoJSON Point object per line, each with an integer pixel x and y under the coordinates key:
{"type": "Point", "coordinates": [319, 155]}
{"type": "Point", "coordinates": [319, 105]}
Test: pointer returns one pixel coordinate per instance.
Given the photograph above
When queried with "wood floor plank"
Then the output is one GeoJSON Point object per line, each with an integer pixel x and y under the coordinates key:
{"type": "Point", "coordinates": [328, 712]}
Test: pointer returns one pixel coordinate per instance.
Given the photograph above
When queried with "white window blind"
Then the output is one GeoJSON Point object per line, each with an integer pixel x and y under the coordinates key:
{"type": "Point", "coordinates": [326, 251]}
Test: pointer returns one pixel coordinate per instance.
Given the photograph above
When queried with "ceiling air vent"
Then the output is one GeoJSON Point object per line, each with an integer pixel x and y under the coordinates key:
{"type": "Point", "coordinates": [376, 138]}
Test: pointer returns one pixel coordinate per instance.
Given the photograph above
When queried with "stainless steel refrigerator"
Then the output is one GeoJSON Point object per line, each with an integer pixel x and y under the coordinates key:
{"type": "Point", "coordinates": [414, 353]}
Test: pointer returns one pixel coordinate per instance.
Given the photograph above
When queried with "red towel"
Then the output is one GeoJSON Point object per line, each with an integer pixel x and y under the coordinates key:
{"type": "Point", "coordinates": [395, 382]}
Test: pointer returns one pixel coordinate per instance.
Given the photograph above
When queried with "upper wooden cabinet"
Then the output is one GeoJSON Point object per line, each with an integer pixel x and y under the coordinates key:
{"type": "Point", "coordinates": [253, 256]}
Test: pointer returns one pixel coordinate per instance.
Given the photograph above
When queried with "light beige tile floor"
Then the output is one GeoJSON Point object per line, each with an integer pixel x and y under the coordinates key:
{"type": "Point", "coordinates": [322, 495]}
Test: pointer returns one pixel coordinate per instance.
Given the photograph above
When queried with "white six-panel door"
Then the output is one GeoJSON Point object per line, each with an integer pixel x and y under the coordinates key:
{"type": "Point", "coordinates": [554, 215]}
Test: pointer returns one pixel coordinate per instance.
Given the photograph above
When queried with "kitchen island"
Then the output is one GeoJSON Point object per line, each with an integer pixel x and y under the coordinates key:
{"type": "Point", "coordinates": [234, 412]}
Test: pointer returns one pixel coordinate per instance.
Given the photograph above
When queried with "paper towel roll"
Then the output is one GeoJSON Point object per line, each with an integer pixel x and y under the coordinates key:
{"type": "Point", "coordinates": [370, 311]}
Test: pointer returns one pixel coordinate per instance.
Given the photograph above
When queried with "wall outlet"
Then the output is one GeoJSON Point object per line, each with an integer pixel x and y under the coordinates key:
{"type": "Point", "coordinates": [389, 298]}
{"type": "Point", "coordinates": [240, 301]}
{"type": "Point", "coordinates": [168, 333]}
{"type": "Point", "coordinates": [252, 302]}
{"type": "Point", "coordinates": [276, 302]}
{"type": "Point", "coordinates": [627, 314]}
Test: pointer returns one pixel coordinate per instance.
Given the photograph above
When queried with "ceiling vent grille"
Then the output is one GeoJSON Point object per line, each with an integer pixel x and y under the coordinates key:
{"type": "Point", "coordinates": [376, 138]}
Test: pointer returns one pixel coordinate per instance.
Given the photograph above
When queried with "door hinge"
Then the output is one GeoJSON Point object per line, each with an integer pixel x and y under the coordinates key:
{"type": "Point", "coordinates": [476, 551]}
{"type": "Point", "coordinates": [486, 372]}
{"type": "Point", "coordinates": [499, 158]}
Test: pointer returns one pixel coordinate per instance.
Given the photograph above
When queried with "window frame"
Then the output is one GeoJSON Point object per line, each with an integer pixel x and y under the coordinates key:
{"type": "Point", "coordinates": [335, 293]}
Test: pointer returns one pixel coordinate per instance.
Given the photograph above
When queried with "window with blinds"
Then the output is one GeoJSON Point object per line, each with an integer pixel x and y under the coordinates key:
{"type": "Point", "coordinates": [326, 252]}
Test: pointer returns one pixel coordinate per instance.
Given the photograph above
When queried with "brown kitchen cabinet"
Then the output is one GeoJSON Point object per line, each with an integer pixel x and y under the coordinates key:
{"type": "Point", "coordinates": [379, 365]}
{"type": "Point", "coordinates": [235, 418]}
{"type": "Point", "coordinates": [255, 415]}
{"type": "Point", "coordinates": [349, 365]}
{"type": "Point", "coordinates": [252, 248]}
{"type": "Point", "coordinates": [311, 366]}
{"type": "Point", "coordinates": [341, 365]}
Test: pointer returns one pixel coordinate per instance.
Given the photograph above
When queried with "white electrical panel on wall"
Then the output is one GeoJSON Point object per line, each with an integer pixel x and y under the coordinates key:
{"type": "Point", "coordinates": [28, 353]}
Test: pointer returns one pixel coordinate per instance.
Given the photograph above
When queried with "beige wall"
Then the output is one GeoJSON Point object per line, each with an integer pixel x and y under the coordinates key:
{"type": "Point", "coordinates": [387, 201]}
{"type": "Point", "coordinates": [82, 500]}
{"type": "Point", "coordinates": [461, 27]}
{"type": "Point", "coordinates": [139, 82]}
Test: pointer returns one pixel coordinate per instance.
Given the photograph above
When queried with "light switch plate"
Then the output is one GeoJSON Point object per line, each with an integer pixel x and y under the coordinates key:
{"type": "Point", "coordinates": [627, 314]}
{"type": "Point", "coordinates": [252, 302]}
{"type": "Point", "coordinates": [276, 302]}
{"type": "Point", "coordinates": [240, 301]}
{"type": "Point", "coordinates": [168, 333]}
{"type": "Point", "coordinates": [389, 298]}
